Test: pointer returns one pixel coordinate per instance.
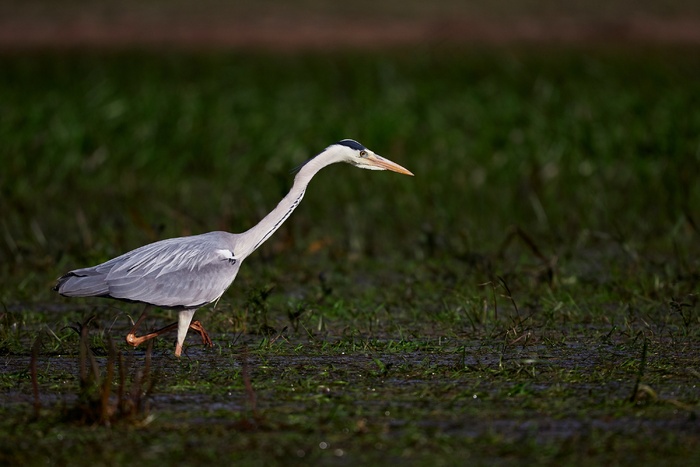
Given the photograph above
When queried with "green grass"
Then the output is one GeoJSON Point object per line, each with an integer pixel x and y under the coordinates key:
{"type": "Point", "coordinates": [494, 307]}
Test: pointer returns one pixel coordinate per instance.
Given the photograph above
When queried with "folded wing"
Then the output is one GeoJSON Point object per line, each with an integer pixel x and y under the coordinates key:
{"type": "Point", "coordinates": [185, 272]}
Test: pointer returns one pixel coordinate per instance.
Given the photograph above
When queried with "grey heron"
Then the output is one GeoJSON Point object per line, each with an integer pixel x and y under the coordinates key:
{"type": "Point", "coordinates": [186, 273]}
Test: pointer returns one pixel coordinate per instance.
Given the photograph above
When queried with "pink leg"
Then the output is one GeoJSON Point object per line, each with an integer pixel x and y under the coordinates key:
{"type": "Point", "coordinates": [134, 340]}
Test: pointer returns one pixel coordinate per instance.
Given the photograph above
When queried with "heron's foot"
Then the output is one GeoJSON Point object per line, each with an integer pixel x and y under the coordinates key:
{"type": "Point", "coordinates": [134, 340]}
{"type": "Point", "coordinates": [197, 326]}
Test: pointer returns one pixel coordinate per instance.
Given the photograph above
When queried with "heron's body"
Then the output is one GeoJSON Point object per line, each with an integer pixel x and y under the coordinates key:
{"type": "Point", "coordinates": [186, 273]}
{"type": "Point", "coordinates": [181, 273]}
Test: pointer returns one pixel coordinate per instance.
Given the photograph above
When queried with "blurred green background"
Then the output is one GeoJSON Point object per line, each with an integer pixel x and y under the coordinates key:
{"type": "Point", "coordinates": [106, 151]}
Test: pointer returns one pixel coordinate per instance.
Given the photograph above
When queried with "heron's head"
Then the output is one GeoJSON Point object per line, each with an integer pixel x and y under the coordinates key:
{"type": "Point", "coordinates": [356, 154]}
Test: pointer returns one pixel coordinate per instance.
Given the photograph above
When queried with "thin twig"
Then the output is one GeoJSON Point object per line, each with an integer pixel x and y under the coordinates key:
{"type": "Point", "coordinates": [106, 386]}
{"type": "Point", "coordinates": [252, 400]}
{"type": "Point", "coordinates": [512, 300]}
{"type": "Point", "coordinates": [640, 373]}
{"type": "Point", "coordinates": [35, 380]}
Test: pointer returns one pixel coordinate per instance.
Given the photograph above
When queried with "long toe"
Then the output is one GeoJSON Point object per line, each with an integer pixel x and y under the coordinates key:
{"type": "Point", "coordinates": [197, 326]}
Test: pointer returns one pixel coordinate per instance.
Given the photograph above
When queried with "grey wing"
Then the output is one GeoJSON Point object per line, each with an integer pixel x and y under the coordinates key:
{"type": "Point", "coordinates": [185, 272]}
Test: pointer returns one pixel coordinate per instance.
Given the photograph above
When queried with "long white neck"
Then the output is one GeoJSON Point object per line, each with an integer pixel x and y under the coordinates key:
{"type": "Point", "coordinates": [256, 236]}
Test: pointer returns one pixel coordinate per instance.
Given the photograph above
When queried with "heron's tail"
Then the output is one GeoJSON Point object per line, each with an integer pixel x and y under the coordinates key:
{"type": "Point", "coordinates": [82, 283]}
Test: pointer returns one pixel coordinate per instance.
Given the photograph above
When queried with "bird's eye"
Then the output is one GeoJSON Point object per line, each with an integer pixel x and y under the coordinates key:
{"type": "Point", "coordinates": [363, 153]}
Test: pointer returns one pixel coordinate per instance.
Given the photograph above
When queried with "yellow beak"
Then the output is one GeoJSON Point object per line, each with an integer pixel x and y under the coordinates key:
{"type": "Point", "coordinates": [386, 164]}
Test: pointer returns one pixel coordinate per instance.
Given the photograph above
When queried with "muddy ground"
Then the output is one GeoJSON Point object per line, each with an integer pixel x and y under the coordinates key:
{"type": "Point", "coordinates": [310, 25]}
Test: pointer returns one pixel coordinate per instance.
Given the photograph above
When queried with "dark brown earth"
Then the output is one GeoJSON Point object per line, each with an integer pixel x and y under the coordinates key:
{"type": "Point", "coordinates": [308, 25]}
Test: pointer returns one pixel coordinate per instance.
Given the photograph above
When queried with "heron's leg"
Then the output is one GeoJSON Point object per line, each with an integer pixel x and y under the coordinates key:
{"type": "Point", "coordinates": [183, 324]}
{"type": "Point", "coordinates": [134, 340]}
